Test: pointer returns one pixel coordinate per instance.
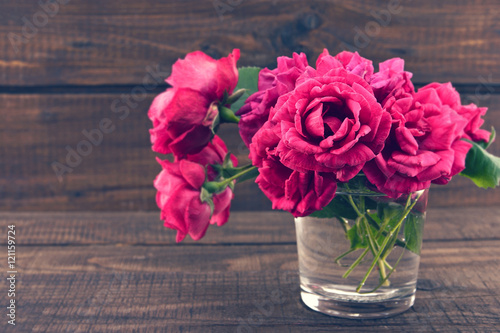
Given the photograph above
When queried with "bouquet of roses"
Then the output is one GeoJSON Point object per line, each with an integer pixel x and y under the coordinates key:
{"type": "Point", "coordinates": [312, 132]}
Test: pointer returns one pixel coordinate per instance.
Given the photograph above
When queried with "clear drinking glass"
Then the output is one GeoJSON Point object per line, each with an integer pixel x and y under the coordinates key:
{"type": "Point", "coordinates": [330, 247]}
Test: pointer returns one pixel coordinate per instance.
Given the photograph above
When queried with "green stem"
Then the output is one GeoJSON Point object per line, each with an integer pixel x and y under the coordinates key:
{"type": "Point", "coordinates": [360, 258]}
{"type": "Point", "coordinates": [374, 248]}
{"type": "Point", "coordinates": [353, 204]}
{"type": "Point", "coordinates": [226, 182]}
{"type": "Point", "coordinates": [383, 275]}
{"type": "Point", "coordinates": [356, 263]}
{"type": "Point", "coordinates": [387, 276]}
{"type": "Point", "coordinates": [386, 241]}
{"type": "Point", "coordinates": [343, 223]}
{"type": "Point", "coordinates": [219, 186]}
{"type": "Point", "coordinates": [374, 224]}
{"type": "Point", "coordinates": [343, 255]}
{"type": "Point", "coordinates": [392, 242]}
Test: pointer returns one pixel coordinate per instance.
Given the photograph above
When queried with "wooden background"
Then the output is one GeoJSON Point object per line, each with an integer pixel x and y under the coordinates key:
{"type": "Point", "coordinates": [63, 72]}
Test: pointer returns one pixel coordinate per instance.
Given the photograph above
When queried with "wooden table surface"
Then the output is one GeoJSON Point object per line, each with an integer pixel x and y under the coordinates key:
{"type": "Point", "coordinates": [62, 73]}
{"type": "Point", "coordinates": [123, 272]}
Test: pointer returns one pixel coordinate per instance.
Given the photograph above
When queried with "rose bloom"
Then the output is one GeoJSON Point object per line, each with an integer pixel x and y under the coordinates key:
{"type": "Point", "coordinates": [425, 143]}
{"type": "Point", "coordinates": [281, 80]}
{"type": "Point", "coordinates": [179, 187]}
{"type": "Point", "coordinates": [183, 115]}
{"type": "Point", "coordinates": [391, 78]}
{"type": "Point", "coordinates": [300, 193]}
{"type": "Point", "coordinates": [472, 113]}
{"type": "Point", "coordinates": [321, 132]}
{"type": "Point", "coordinates": [351, 62]}
{"type": "Point", "coordinates": [331, 122]}
{"type": "Point", "coordinates": [272, 83]}
{"type": "Point", "coordinates": [214, 153]}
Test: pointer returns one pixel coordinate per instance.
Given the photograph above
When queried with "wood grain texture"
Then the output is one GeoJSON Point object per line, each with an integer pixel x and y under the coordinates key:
{"type": "Point", "coordinates": [118, 173]}
{"type": "Point", "coordinates": [67, 71]}
{"type": "Point", "coordinates": [110, 285]}
{"type": "Point", "coordinates": [222, 301]}
{"type": "Point", "coordinates": [272, 227]}
{"type": "Point", "coordinates": [91, 42]}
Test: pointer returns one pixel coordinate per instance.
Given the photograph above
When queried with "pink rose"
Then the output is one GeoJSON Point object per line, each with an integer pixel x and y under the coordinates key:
{"type": "Point", "coordinates": [391, 78]}
{"type": "Point", "coordinates": [425, 142]}
{"type": "Point", "coordinates": [178, 197]}
{"type": "Point", "coordinates": [182, 121]}
{"type": "Point", "coordinates": [323, 130]}
{"type": "Point", "coordinates": [300, 193]}
{"type": "Point", "coordinates": [331, 122]}
{"type": "Point", "coordinates": [473, 114]}
{"type": "Point", "coordinates": [179, 187]}
{"type": "Point", "coordinates": [272, 83]}
{"type": "Point", "coordinates": [214, 153]}
{"type": "Point", "coordinates": [201, 73]}
{"type": "Point", "coordinates": [183, 116]}
{"type": "Point", "coordinates": [351, 62]}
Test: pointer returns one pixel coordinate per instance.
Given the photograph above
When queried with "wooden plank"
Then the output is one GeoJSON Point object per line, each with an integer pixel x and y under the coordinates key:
{"type": "Point", "coordinates": [91, 43]}
{"type": "Point", "coordinates": [217, 289]}
{"type": "Point", "coordinates": [140, 228]}
{"type": "Point", "coordinates": [119, 172]}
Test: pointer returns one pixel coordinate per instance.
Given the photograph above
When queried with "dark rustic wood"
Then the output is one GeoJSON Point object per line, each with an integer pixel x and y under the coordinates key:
{"type": "Point", "coordinates": [100, 279]}
{"type": "Point", "coordinates": [119, 173]}
{"type": "Point", "coordinates": [276, 227]}
{"type": "Point", "coordinates": [91, 42]}
{"type": "Point", "coordinates": [105, 271]}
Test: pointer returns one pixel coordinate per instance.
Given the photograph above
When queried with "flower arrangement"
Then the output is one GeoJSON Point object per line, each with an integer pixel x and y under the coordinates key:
{"type": "Point", "coordinates": [312, 132]}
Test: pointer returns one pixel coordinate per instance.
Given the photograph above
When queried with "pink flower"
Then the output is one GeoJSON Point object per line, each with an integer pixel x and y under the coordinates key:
{"type": "Point", "coordinates": [331, 122]}
{"type": "Point", "coordinates": [322, 131]}
{"type": "Point", "coordinates": [272, 83]}
{"type": "Point", "coordinates": [351, 62]}
{"type": "Point", "coordinates": [201, 73]}
{"type": "Point", "coordinates": [183, 116]}
{"type": "Point", "coordinates": [473, 114]}
{"type": "Point", "coordinates": [179, 187]}
{"type": "Point", "coordinates": [277, 82]}
{"type": "Point", "coordinates": [390, 79]}
{"type": "Point", "coordinates": [182, 121]}
{"type": "Point", "coordinates": [214, 153]}
{"type": "Point", "coordinates": [300, 193]}
{"type": "Point", "coordinates": [425, 142]}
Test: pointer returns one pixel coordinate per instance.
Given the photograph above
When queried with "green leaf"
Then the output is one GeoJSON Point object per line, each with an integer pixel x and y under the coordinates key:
{"type": "Point", "coordinates": [391, 214]}
{"type": "Point", "coordinates": [413, 230]}
{"type": "Point", "coordinates": [248, 79]}
{"type": "Point", "coordinates": [357, 237]}
{"type": "Point", "coordinates": [339, 206]}
{"type": "Point", "coordinates": [482, 167]}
